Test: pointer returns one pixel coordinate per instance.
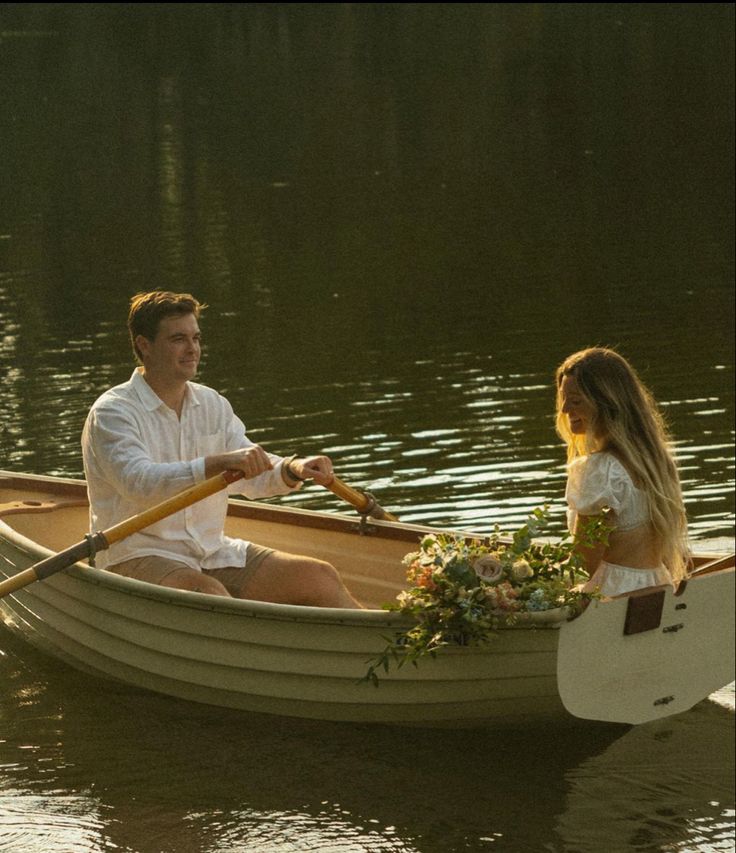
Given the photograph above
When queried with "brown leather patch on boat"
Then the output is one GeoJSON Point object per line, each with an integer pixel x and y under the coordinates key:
{"type": "Point", "coordinates": [644, 613]}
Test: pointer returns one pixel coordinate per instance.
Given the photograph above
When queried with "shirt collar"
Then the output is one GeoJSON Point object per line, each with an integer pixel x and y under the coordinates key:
{"type": "Point", "coordinates": [150, 399]}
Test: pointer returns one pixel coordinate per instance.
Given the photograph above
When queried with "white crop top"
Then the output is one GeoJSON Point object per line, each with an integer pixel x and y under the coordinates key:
{"type": "Point", "coordinates": [598, 481]}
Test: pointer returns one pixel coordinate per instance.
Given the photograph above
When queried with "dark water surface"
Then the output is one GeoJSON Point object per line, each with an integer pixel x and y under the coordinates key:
{"type": "Point", "coordinates": [403, 217]}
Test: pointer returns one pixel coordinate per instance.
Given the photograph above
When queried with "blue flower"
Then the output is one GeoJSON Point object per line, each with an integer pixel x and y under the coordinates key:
{"type": "Point", "coordinates": [537, 601]}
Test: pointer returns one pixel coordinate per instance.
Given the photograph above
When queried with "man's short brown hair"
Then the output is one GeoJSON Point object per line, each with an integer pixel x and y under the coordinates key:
{"type": "Point", "coordinates": [147, 310]}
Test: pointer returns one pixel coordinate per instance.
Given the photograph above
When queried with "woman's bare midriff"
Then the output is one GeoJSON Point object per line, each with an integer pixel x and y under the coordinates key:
{"type": "Point", "coordinates": [637, 548]}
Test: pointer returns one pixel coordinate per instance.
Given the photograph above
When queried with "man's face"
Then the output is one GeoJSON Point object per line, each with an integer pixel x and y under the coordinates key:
{"type": "Point", "coordinates": [174, 353]}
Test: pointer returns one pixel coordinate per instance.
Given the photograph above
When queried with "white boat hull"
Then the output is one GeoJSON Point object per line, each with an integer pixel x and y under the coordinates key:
{"type": "Point", "coordinates": [278, 659]}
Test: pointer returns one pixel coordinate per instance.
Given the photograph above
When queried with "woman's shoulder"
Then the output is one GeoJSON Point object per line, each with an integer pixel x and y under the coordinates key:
{"type": "Point", "coordinates": [603, 466]}
{"type": "Point", "coordinates": [600, 460]}
{"type": "Point", "coordinates": [596, 481]}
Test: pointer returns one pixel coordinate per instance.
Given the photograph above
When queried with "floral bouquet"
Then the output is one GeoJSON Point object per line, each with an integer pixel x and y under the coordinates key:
{"type": "Point", "coordinates": [462, 590]}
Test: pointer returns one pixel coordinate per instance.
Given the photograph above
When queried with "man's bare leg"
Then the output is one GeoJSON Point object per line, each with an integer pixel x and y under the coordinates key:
{"type": "Point", "coordinates": [292, 579]}
{"type": "Point", "coordinates": [164, 571]}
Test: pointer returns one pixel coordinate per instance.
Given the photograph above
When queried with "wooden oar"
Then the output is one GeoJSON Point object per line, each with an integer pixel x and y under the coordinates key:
{"type": "Point", "coordinates": [102, 540]}
{"type": "Point", "coordinates": [715, 564]}
{"type": "Point", "coordinates": [364, 502]}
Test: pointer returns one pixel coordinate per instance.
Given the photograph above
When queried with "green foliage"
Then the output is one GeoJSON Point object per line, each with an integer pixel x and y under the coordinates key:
{"type": "Point", "coordinates": [462, 590]}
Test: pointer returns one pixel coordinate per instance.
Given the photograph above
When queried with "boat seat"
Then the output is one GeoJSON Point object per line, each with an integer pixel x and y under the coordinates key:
{"type": "Point", "coordinates": [13, 507]}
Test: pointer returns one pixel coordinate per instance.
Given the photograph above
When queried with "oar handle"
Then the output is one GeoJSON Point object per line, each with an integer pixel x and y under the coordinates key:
{"type": "Point", "coordinates": [364, 502]}
{"type": "Point", "coordinates": [102, 540]}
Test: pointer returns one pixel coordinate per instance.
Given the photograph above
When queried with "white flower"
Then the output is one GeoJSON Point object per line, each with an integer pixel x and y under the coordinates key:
{"type": "Point", "coordinates": [521, 569]}
{"type": "Point", "coordinates": [489, 568]}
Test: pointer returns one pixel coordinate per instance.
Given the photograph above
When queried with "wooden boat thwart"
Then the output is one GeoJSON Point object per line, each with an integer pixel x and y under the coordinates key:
{"type": "Point", "coordinates": [309, 662]}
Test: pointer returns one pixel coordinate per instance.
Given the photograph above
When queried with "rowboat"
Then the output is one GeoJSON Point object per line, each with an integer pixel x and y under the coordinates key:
{"type": "Point", "coordinates": [626, 660]}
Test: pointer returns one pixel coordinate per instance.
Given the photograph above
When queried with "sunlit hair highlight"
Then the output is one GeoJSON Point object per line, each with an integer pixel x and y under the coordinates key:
{"type": "Point", "coordinates": [627, 422]}
{"type": "Point", "coordinates": [147, 310]}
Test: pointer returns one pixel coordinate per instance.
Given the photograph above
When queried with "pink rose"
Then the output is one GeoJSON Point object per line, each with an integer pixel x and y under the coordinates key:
{"type": "Point", "coordinates": [489, 568]}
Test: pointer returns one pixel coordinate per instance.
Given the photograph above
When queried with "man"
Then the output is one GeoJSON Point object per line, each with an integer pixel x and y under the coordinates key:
{"type": "Point", "coordinates": [160, 433]}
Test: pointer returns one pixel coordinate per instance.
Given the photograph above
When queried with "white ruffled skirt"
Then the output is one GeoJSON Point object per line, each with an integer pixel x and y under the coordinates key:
{"type": "Point", "coordinates": [611, 579]}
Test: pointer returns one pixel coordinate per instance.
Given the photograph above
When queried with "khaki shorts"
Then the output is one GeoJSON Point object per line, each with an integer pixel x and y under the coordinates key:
{"type": "Point", "coordinates": [154, 569]}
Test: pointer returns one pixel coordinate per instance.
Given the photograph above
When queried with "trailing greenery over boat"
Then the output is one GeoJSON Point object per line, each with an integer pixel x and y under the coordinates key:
{"type": "Point", "coordinates": [462, 590]}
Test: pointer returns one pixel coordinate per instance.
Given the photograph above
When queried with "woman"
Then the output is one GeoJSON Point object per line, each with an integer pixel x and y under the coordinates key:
{"type": "Point", "coordinates": [620, 468]}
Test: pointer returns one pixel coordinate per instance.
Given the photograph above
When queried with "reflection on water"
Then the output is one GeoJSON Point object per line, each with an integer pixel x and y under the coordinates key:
{"type": "Point", "coordinates": [94, 766]}
{"type": "Point", "coordinates": [404, 216]}
{"type": "Point", "coordinates": [654, 771]}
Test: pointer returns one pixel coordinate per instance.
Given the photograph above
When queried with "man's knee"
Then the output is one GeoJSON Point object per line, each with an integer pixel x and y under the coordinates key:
{"type": "Point", "coordinates": [323, 575]}
{"type": "Point", "coordinates": [324, 587]}
{"type": "Point", "coordinates": [296, 579]}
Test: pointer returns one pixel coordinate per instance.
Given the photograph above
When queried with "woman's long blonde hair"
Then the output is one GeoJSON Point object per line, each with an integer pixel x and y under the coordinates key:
{"type": "Point", "coordinates": [627, 422]}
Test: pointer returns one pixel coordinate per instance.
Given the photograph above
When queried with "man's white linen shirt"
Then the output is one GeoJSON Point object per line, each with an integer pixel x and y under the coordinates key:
{"type": "Point", "coordinates": [137, 453]}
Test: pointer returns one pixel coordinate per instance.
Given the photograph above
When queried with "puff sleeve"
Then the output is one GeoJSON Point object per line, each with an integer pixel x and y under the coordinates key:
{"type": "Point", "coordinates": [596, 482]}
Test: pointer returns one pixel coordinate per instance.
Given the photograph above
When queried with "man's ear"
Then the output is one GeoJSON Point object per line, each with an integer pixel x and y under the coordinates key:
{"type": "Point", "coordinates": [143, 344]}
